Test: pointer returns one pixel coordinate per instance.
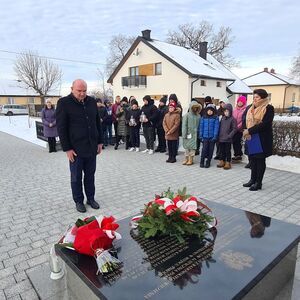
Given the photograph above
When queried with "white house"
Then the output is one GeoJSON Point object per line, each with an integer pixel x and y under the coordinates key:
{"type": "Point", "coordinates": [155, 68]}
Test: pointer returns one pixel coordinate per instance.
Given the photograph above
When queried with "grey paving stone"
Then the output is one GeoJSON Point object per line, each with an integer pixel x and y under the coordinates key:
{"type": "Point", "coordinates": [2, 296]}
{"type": "Point", "coordinates": [7, 272]}
{"type": "Point", "coordinates": [15, 260]}
{"type": "Point", "coordinates": [18, 288]}
{"type": "Point", "coordinates": [7, 282]}
{"type": "Point", "coordinates": [29, 295]}
{"type": "Point", "coordinates": [19, 250]}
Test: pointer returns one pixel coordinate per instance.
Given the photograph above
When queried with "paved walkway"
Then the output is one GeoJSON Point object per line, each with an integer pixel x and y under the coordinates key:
{"type": "Point", "coordinates": [36, 204]}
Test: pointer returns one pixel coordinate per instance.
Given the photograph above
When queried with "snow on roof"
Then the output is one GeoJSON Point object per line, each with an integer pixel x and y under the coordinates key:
{"type": "Point", "coordinates": [191, 61]}
{"type": "Point", "coordinates": [236, 87]}
{"type": "Point", "coordinates": [266, 78]}
{"type": "Point", "coordinates": [15, 88]}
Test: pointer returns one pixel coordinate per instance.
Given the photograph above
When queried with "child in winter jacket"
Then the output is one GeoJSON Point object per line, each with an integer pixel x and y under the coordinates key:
{"type": "Point", "coordinates": [226, 133]}
{"type": "Point", "coordinates": [133, 121]}
{"type": "Point", "coordinates": [208, 134]}
{"type": "Point", "coordinates": [171, 124]}
{"type": "Point", "coordinates": [190, 124]}
{"type": "Point", "coordinates": [237, 138]}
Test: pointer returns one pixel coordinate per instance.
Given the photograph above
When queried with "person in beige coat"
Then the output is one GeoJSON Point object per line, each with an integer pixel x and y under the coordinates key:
{"type": "Point", "coordinates": [171, 124]}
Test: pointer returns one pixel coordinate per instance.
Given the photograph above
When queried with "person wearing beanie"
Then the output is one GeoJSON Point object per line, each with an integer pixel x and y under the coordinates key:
{"type": "Point", "coordinates": [259, 121]}
{"type": "Point", "coordinates": [190, 123]}
{"type": "Point", "coordinates": [208, 134]}
{"type": "Point", "coordinates": [171, 125]}
{"type": "Point", "coordinates": [220, 113]}
{"type": "Point", "coordinates": [108, 124]}
{"type": "Point", "coordinates": [103, 116]}
{"type": "Point", "coordinates": [226, 133]}
{"type": "Point", "coordinates": [207, 100]}
{"type": "Point", "coordinates": [149, 116]}
{"type": "Point", "coordinates": [133, 121]}
{"type": "Point", "coordinates": [114, 109]}
{"type": "Point", "coordinates": [241, 105]}
{"type": "Point", "coordinates": [162, 110]}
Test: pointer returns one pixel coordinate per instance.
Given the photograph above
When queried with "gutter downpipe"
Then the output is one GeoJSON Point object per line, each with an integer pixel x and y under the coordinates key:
{"type": "Point", "coordinates": [192, 85]}
{"type": "Point", "coordinates": [283, 105]}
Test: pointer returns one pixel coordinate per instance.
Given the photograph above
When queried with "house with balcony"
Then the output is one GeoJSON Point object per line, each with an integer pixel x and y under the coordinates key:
{"type": "Point", "coordinates": [156, 68]}
{"type": "Point", "coordinates": [284, 92]}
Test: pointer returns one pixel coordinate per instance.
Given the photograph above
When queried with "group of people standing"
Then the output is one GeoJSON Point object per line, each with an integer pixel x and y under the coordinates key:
{"type": "Point", "coordinates": [85, 125]}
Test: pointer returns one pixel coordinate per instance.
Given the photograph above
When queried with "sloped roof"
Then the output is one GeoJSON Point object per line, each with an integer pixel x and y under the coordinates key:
{"type": "Point", "coordinates": [15, 88]}
{"type": "Point", "coordinates": [235, 87]}
{"type": "Point", "coordinates": [191, 61]}
{"type": "Point", "coordinates": [268, 78]}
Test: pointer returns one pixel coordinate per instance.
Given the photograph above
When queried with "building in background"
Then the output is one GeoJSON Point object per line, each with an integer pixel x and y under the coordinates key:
{"type": "Point", "coordinates": [284, 92]}
{"type": "Point", "coordinates": [155, 68]}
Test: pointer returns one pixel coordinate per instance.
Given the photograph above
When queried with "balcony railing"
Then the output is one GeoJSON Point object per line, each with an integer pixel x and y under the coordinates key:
{"type": "Point", "coordinates": [134, 81]}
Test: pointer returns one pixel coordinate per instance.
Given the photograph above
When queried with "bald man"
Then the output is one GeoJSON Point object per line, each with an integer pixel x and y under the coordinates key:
{"type": "Point", "coordinates": [80, 134]}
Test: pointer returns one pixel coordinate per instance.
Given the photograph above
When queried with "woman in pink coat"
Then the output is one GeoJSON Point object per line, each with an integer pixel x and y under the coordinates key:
{"type": "Point", "coordinates": [241, 104]}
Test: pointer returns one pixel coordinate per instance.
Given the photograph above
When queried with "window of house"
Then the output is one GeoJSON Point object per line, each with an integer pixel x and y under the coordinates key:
{"type": "Point", "coordinates": [30, 100]}
{"type": "Point", "coordinates": [133, 71]}
{"type": "Point", "coordinates": [158, 69]}
{"type": "Point", "coordinates": [219, 84]}
{"type": "Point", "coordinates": [203, 83]}
{"type": "Point", "coordinates": [11, 100]}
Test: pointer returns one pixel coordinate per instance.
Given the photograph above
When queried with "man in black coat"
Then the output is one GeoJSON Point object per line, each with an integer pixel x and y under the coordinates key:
{"type": "Point", "coordinates": [162, 110]}
{"type": "Point", "coordinates": [80, 134]}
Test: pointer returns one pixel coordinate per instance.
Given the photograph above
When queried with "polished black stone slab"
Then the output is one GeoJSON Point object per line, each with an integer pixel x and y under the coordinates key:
{"type": "Point", "coordinates": [227, 265]}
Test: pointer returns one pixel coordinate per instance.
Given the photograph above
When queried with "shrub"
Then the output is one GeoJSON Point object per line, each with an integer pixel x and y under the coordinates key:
{"type": "Point", "coordinates": [286, 138]}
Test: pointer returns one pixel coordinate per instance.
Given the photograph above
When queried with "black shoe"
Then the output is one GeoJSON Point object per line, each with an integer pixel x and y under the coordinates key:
{"type": "Point", "coordinates": [202, 163]}
{"type": "Point", "coordinates": [248, 166]}
{"type": "Point", "coordinates": [103, 147]}
{"type": "Point", "coordinates": [168, 160]}
{"type": "Point", "coordinates": [217, 157]}
{"type": "Point", "coordinates": [116, 147]}
{"type": "Point", "coordinates": [157, 150]}
{"type": "Point", "coordinates": [207, 164]}
{"type": "Point", "coordinates": [80, 207]}
{"type": "Point", "coordinates": [237, 158]}
{"type": "Point", "coordinates": [248, 184]}
{"type": "Point", "coordinates": [197, 152]}
{"type": "Point", "coordinates": [93, 204]}
{"type": "Point", "coordinates": [111, 144]}
{"type": "Point", "coordinates": [255, 187]}
{"type": "Point", "coordinates": [172, 160]}
{"type": "Point", "coordinates": [163, 151]}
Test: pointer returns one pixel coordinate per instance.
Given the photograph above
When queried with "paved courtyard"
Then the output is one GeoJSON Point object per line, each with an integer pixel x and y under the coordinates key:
{"type": "Point", "coordinates": [36, 204]}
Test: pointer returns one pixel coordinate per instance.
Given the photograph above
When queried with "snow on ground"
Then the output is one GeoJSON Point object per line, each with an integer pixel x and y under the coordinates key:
{"type": "Point", "coordinates": [287, 118]}
{"type": "Point", "coordinates": [19, 127]}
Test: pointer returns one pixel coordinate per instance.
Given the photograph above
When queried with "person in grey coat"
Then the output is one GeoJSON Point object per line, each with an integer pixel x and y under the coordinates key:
{"type": "Point", "coordinates": [49, 125]}
{"type": "Point", "coordinates": [228, 128]}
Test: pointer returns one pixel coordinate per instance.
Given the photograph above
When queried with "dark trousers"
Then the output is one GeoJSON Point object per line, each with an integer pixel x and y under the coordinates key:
{"type": "Point", "coordinates": [237, 144]}
{"type": "Point", "coordinates": [198, 144]}
{"type": "Point", "coordinates": [86, 166]}
{"type": "Point", "coordinates": [258, 168]}
{"type": "Point", "coordinates": [161, 139]}
{"type": "Point", "coordinates": [172, 147]}
{"type": "Point", "coordinates": [52, 144]}
{"type": "Point", "coordinates": [225, 151]}
{"type": "Point", "coordinates": [134, 134]}
{"type": "Point", "coordinates": [107, 134]}
{"type": "Point", "coordinates": [116, 129]}
{"type": "Point", "coordinates": [124, 138]}
{"type": "Point", "coordinates": [207, 149]}
{"type": "Point", "coordinates": [149, 137]}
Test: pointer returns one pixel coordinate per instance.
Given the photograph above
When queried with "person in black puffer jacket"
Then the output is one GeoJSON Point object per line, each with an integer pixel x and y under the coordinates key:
{"type": "Point", "coordinates": [134, 125]}
{"type": "Point", "coordinates": [162, 110]}
{"type": "Point", "coordinates": [149, 116]}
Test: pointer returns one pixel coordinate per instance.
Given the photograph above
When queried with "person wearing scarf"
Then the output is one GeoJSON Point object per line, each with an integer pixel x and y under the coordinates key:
{"type": "Point", "coordinates": [259, 120]}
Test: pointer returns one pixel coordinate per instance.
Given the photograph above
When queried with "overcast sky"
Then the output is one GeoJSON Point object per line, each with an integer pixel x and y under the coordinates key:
{"type": "Point", "coordinates": [267, 33]}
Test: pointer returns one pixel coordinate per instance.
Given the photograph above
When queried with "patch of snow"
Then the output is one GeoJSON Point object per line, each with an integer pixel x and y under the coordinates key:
{"type": "Point", "coordinates": [284, 163]}
{"type": "Point", "coordinates": [287, 118]}
{"type": "Point", "coordinates": [19, 126]}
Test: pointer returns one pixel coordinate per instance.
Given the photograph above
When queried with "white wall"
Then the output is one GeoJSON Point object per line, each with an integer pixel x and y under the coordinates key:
{"type": "Point", "coordinates": [172, 80]}
{"type": "Point", "coordinates": [209, 90]}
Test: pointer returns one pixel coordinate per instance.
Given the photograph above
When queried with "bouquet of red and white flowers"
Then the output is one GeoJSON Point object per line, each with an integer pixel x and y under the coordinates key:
{"type": "Point", "coordinates": [93, 236]}
{"type": "Point", "coordinates": [175, 214]}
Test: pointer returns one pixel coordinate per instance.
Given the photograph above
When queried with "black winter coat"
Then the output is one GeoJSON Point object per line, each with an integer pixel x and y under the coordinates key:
{"type": "Point", "coordinates": [78, 125]}
{"type": "Point", "coordinates": [264, 129]}
{"type": "Point", "coordinates": [162, 110]}
{"type": "Point", "coordinates": [136, 113]}
{"type": "Point", "coordinates": [151, 112]}
{"type": "Point", "coordinates": [102, 113]}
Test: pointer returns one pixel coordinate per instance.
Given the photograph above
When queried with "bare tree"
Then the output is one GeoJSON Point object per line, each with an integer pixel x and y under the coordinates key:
{"type": "Point", "coordinates": [37, 73]}
{"type": "Point", "coordinates": [104, 91]}
{"type": "Point", "coordinates": [118, 48]}
{"type": "Point", "coordinates": [190, 36]}
{"type": "Point", "coordinates": [295, 70]}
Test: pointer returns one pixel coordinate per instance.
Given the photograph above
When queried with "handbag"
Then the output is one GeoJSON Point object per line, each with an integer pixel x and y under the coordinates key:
{"type": "Point", "coordinates": [254, 144]}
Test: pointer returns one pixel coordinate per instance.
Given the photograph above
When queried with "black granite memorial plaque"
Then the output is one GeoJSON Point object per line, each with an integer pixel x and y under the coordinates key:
{"type": "Point", "coordinates": [228, 264]}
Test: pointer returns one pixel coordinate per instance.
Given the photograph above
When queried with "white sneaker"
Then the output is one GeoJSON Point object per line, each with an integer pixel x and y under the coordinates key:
{"type": "Point", "coordinates": [146, 151]}
{"type": "Point", "coordinates": [137, 149]}
{"type": "Point", "coordinates": [131, 149]}
{"type": "Point", "coordinates": [121, 142]}
{"type": "Point", "coordinates": [151, 152]}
